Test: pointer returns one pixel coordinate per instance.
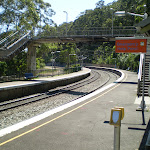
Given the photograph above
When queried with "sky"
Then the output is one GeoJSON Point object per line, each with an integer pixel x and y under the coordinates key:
{"type": "Point", "coordinates": [72, 7]}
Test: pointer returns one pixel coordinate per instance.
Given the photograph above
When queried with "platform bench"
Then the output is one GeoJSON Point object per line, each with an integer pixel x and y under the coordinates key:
{"type": "Point", "coordinates": [29, 76]}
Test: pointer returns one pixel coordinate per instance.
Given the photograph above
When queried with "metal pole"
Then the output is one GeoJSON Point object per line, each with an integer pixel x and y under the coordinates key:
{"type": "Point", "coordinates": [69, 64]}
{"type": "Point", "coordinates": [112, 25]}
{"type": "Point", "coordinates": [143, 101]}
{"type": "Point", "coordinates": [116, 137]}
{"type": "Point", "coordinates": [112, 22]}
{"type": "Point", "coordinates": [66, 20]}
{"type": "Point", "coordinates": [0, 24]}
{"type": "Point", "coordinates": [82, 61]}
{"type": "Point", "coordinates": [52, 62]}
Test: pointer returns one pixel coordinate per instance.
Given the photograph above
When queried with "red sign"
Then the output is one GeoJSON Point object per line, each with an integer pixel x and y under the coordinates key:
{"type": "Point", "coordinates": [131, 46]}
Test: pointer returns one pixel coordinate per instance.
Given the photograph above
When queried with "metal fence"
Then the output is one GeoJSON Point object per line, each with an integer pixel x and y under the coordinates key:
{"type": "Point", "coordinates": [94, 31]}
{"type": "Point", "coordinates": [39, 74]}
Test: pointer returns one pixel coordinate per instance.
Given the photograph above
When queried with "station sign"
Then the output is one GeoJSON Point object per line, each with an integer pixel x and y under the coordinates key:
{"type": "Point", "coordinates": [131, 46]}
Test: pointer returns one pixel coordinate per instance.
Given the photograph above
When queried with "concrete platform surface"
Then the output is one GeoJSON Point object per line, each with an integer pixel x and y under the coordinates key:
{"type": "Point", "coordinates": [7, 85]}
{"type": "Point", "coordinates": [18, 89]}
{"type": "Point", "coordinates": [85, 126]}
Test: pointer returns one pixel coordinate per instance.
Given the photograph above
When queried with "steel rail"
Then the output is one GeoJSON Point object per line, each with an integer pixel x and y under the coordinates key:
{"type": "Point", "coordinates": [40, 96]}
{"type": "Point", "coordinates": [13, 104]}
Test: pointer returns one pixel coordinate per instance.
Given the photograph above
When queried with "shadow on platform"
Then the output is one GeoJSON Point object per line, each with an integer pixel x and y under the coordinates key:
{"type": "Point", "coordinates": [144, 139]}
{"type": "Point", "coordinates": [127, 82]}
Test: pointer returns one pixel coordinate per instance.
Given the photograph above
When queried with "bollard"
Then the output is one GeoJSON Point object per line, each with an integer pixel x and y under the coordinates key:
{"type": "Point", "coordinates": [117, 114]}
{"type": "Point", "coordinates": [116, 137]}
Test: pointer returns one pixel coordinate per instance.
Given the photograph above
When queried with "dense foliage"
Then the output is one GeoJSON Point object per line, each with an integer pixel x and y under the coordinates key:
{"type": "Point", "coordinates": [25, 14]}
{"type": "Point", "coordinates": [35, 14]}
{"type": "Point", "coordinates": [14, 66]}
{"type": "Point", "coordinates": [101, 16]}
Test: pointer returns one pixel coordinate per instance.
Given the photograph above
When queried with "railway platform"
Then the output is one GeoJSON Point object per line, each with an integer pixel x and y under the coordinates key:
{"type": "Point", "coordinates": [15, 89]}
{"type": "Point", "coordinates": [84, 124]}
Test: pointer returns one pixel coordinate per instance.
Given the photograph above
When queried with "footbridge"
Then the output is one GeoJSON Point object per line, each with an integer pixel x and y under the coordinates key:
{"type": "Point", "coordinates": [19, 40]}
{"type": "Point", "coordinates": [94, 34]}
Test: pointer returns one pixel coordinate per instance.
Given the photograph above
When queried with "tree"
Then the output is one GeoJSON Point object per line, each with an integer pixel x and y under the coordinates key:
{"type": "Point", "coordinates": [25, 13]}
{"type": "Point", "coordinates": [100, 4]}
{"type": "Point", "coordinates": [3, 69]}
{"type": "Point", "coordinates": [48, 31]}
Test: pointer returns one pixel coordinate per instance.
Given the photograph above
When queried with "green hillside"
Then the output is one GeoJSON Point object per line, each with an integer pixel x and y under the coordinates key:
{"type": "Point", "coordinates": [31, 17]}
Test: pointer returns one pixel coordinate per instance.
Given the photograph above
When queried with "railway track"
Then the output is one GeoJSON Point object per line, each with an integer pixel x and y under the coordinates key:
{"type": "Point", "coordinates": [95, 75]}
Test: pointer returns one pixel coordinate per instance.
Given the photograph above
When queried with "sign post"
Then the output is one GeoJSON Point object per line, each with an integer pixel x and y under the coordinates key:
{"type": "Point", "coordinates": [135, 45]}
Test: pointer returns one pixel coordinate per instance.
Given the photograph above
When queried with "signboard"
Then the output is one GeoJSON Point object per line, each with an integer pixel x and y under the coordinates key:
{"type": "Point", "coordinates": [131, 46]}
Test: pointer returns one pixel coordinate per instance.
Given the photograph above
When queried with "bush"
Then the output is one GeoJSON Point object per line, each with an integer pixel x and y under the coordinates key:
{"type": "Point", "coordinates": [73, 68]}
{"type": "Point", "coordinates": [3, 68]}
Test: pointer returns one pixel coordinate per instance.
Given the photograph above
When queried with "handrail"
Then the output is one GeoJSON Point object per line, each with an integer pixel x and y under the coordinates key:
{"type": "Point", "coordinates": [103, 28]}
{"type": "Point", "coordinates": [16, 37]}
{"type": "Point", "coordinates": [19, 46]}
{"type": "Point", "coordinates": [140, 66]}
{"type": "Point", "coordinates": [9, 36]}
{"type": "Point", "coordinates": [25, 35]}
{"type": "Point", "coordinates": [140, 72]}
{"type": "Point", "coordinates": [98, 31]}
{"type": "Point", "coordinates": [12, 39]}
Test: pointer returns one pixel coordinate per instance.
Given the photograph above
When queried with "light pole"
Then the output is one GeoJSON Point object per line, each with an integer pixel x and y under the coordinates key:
{"type": "Point", "coordinates": [0, 24]}
{"type": "Point", "coordinates": [82, 58]}
{"type": "Point", "coordinates": [112, 21]}
{"type": "Point", "coordinates": [66, 20]}
{"type": "Point", "coordinates": [142, 55]}
{"type": "Point", "coordinates": [115, 62]}
{"type": "Point", "coordinates": [69, 60]}
{"type": "Point", "coordinates": [123, 13]}
{"type": "Point", "coordinates": [53, 60]}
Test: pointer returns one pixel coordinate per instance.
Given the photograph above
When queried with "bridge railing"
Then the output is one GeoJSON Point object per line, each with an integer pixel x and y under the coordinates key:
{"type": "Point", "coordinates": [12, 38]}
{"type": "Point", "coordinates": [4, 41]}
{"type": "Point", "coordinates": [16, 76]}
{"type": "Point", "coordinates": [95, 31]}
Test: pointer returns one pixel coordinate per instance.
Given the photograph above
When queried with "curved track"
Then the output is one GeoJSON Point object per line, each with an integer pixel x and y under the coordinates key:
{"type": "Point", "coordinates": [95, 75]}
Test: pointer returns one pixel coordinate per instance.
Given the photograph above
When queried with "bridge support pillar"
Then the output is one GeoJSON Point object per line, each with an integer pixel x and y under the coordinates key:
{"type": "Point", "coordinates": [31, 59]}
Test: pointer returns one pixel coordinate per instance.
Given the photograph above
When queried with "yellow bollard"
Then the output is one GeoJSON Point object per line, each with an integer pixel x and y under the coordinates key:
{"type": "Point", "coordinates": [117, 114]}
